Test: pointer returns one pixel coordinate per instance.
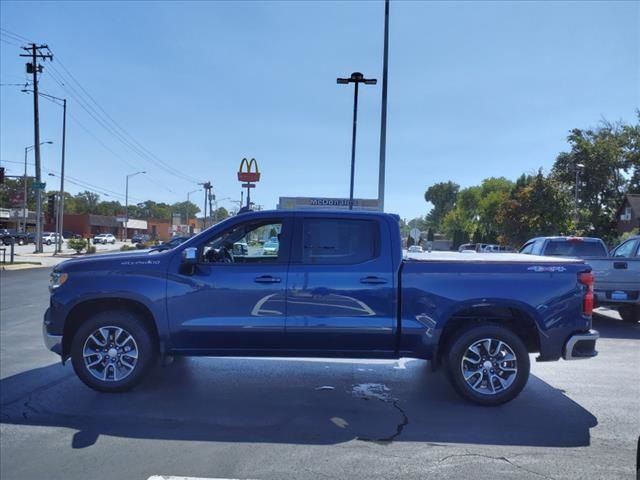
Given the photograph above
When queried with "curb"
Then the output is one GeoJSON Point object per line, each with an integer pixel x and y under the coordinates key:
{"type": "Point", "coordinates": [22, 266]}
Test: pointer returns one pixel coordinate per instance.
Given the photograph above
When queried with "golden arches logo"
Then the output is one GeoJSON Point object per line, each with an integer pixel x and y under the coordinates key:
{"type": "Point", "coordinates": [248, 175]}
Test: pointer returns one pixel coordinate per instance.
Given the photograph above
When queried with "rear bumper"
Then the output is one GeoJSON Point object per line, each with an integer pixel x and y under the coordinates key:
{"type": "Point", "coordinates": [581, 345]}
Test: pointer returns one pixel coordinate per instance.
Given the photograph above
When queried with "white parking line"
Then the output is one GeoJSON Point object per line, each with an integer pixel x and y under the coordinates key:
{"type": "Point", "coordinates": [173, 477]}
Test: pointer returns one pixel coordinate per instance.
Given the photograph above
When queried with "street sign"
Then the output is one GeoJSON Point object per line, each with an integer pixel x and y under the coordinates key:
{"type": "Point", "coordinates": [415, 234]}
{"type": "Point", "coordinates": [38, 185]}
{"type": "Point", "coordinates": [248, 185]}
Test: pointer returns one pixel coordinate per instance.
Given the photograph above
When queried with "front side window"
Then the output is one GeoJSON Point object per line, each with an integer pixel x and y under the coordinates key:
{"type": "Point", "coordinates": [527, 249]}
{"type": "Point", "coordinates": [625, 250]}
{"type": "Point", "coordinates": [255, 242]}
{"type": "Point", "coordinates": [328, 241]}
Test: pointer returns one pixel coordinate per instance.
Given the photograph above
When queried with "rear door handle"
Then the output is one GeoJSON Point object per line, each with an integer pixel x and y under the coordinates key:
{"type": "Point", "coordinates": [267, 279]}
{"type": "Point", "coordinates": [372, 280]}
{"type": "Point", "coordinates": [620, 265]}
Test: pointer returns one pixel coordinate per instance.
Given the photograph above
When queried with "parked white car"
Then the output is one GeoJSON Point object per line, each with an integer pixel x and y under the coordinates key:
{"type": "Point", "coordinates": [104, 238]}
{"type": "Point", "coordinates": [49, 238]}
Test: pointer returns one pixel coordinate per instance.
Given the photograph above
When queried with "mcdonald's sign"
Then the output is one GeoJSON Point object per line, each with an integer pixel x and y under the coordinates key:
{"type": "Point", "coordinates": [248, 175]}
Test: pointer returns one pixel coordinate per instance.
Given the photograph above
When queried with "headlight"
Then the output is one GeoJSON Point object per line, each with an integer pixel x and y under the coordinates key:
{"type": "Point", "coordinates": [57, 279]}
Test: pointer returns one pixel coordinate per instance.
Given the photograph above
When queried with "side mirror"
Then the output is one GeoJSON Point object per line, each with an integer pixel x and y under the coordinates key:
{"type": "Point", "coordinates": [190, 256]}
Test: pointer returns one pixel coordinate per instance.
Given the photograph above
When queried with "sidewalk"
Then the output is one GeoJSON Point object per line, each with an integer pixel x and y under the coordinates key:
{"type": "Point", "coordinates": [47, 259]}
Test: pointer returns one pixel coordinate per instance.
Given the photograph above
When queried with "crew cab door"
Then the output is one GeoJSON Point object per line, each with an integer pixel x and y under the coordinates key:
{"type": "Point", "coordinates": [341, 293]}
{"type": "Point", "coordinates": [234, 297]}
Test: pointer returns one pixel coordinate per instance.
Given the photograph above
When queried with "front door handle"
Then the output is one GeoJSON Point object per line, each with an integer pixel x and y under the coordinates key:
{"type": "Point", "coordinates": [373, 280]}
{"type": "Point", "coordinates": [267, 279]}
{"type": "Point", "coordinates": [620, 265]}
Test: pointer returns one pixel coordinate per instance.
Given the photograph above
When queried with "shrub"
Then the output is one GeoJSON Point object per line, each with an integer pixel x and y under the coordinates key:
{"type": "Point", "coordinates": [126, 247]}
{"type": "Point", "coordinates": [77, 244]}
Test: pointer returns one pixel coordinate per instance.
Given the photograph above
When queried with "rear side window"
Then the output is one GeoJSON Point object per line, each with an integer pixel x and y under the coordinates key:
{"type": "Point", "coordinates": [575, 248]}
{"type": "Point", "coordinates": [328, 241]}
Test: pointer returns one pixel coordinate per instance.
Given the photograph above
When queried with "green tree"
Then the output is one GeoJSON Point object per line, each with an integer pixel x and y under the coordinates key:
{"type": "Point", "coordinates": [86, 202]}
{"type": "Point", "coordinates": [220, 214]}
{"type": "Point", "coordinates": [610, 156]}
{"type": "Point", "coordinates": [185, 208]}
{"type": "Point", "coordinates": [443, 198]}
{"type": "Point", "coordinates": [536, 207]}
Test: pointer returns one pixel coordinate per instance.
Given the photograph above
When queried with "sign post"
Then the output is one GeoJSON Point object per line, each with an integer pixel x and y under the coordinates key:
{"type": "Point", "coordinates": [248, 176]}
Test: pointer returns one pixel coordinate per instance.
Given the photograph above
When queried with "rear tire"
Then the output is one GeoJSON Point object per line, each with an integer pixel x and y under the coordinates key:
{"type": "Point", "coordinates": [488, 364]}
{"type": "Point", "coordinates": [112, 351]}
{"type": "Point", "coordinates": [629, 313]}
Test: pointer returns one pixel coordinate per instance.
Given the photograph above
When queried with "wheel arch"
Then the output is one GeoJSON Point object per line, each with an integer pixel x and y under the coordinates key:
{"type": "Point", "coordinates": [83, 310]}
{"type": "Point", "coordinates": [514, 318]}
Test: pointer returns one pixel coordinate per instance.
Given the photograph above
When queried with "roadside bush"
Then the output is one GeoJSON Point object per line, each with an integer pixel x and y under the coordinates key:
{"type": "Point", "coordinates": [77, 244]}
{"type": "Point", "coordinates": [126, 247]}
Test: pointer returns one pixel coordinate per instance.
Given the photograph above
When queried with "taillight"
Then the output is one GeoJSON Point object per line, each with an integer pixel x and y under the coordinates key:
{"type": "Point", "coordinates": [586, 278]}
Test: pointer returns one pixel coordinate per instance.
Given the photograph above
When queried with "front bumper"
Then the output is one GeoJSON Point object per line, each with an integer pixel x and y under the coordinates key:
{"type": "Point", "coordinates": [581, 345]}
{"type": "Point", "coordinates": [52, 342]}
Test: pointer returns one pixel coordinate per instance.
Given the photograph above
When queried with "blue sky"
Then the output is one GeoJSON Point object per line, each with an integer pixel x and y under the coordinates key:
{"type": "Point", "coordinates": [476, 89]}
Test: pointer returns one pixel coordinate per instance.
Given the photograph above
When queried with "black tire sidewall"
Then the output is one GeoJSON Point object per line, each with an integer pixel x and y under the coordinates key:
{"type": "Point", "coordinates": [133, 324]}
{"type": "Point", "coordinates": [466, 339]}
{"type": "Point", "coordinates": [629, 313]}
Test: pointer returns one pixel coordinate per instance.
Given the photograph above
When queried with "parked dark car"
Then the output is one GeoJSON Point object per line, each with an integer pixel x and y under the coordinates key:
{"type": "Point", "coordinates": [140, 238]}
{"type": "Point", "coordinates": [68, 234]}
{"type": "Point", "coordinates": [174, 242]}
{"type": "Point", "coordinates": [337, 287]}
{"type": "Point", "coordinates": [9, 236]}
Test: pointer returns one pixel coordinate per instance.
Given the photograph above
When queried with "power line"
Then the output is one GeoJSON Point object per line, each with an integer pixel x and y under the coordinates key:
{"type": "Point", "coordinates": [162, 163]}
{"type": "Point", "coordinates": [78, 182]}
{"type": "Point", "coordinates": [8, 42]}
{"type": "Point", "coordinates": [17, 36]}
{"type": "Point", "coordinates": [99, 114]}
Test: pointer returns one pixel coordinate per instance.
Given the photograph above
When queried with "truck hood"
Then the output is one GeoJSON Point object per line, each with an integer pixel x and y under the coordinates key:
{"type": "Point", "coordinates": [112, 260]}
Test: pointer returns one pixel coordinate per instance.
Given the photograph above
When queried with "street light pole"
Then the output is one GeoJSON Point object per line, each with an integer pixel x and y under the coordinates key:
{"type": "Point", "coordinates": [579, 166]}
{"type": "Point", "coordinates": [383, 116]}
{"type": "Point", "coordinates": [61, 202]}
{"type": "Point", "coordinates": [126, 204]}
{"type": "Point", "coordinates": [356, 78]}
{"type": "Point", "coordinates": [25, 192]}
{"type": "Point", "coordinates": [187, 207]}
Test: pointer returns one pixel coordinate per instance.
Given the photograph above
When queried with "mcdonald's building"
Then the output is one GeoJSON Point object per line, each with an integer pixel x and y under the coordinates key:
{"type": "Point", "coordinates": [316, 203]}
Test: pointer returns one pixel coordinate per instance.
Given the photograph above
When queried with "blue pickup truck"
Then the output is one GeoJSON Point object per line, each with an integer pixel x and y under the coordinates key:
{"type": "Point", "coordinates": [337, 286]}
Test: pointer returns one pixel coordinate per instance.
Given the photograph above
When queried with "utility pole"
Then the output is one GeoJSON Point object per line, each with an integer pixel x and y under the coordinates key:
{"type": "Point", "coordinates": [34, 68]}
{"type": "Point", "coordinates": [383, 119]}
{"type": "Point", "coordinates": [207, 187]}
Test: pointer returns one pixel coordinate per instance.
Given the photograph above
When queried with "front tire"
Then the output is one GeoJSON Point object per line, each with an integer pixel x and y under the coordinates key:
{"type": "Point", "coordinates": [629, 313]}
{"type": "Point", "coordinates": [488, 364]}
{"type": "Point", "coordinates": [112, 351]}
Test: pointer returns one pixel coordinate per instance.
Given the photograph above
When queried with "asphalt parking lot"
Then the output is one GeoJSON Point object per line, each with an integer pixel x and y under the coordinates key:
{"type": "Point", "coordinates": [308, 418]}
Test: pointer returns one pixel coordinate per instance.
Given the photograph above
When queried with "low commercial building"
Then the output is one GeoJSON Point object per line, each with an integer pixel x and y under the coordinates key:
{"type": "Point", "coordinates": [314, 203]}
